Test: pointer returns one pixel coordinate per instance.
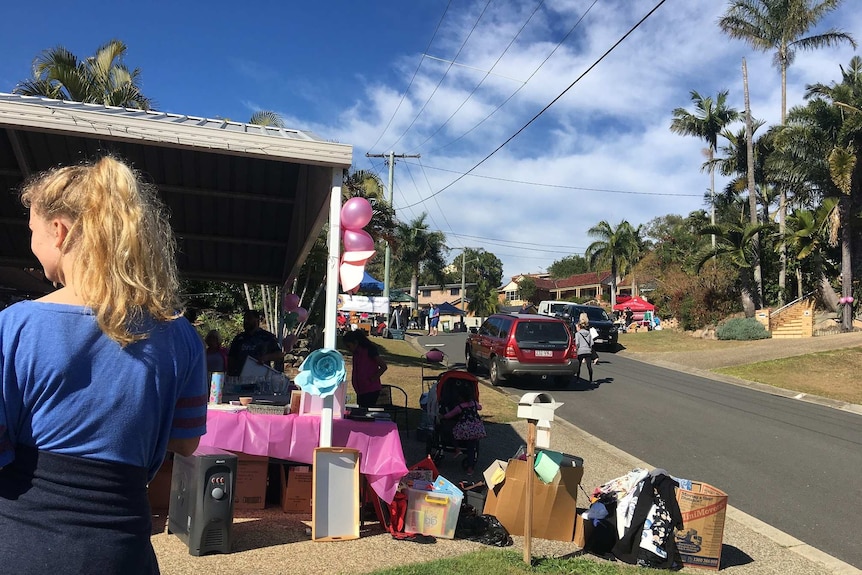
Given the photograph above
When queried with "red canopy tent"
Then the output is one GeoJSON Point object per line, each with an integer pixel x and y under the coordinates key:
{"type": "Point", "coordinates": [637, 305]}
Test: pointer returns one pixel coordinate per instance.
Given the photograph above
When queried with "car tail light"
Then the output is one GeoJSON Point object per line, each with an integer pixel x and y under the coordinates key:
{"type": "Point", "coordinates": [511, 348]}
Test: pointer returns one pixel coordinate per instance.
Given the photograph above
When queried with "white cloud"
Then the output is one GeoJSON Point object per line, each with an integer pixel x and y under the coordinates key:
{"type": "Point", "coordinates": [609, 132]}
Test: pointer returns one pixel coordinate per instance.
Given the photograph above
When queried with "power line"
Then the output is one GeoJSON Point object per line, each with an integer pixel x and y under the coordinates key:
{"type": "Point", "coordinates": [488, 73]}
{"type": "Point", "coordinates": [552, 102]}
{"type": "Point", "coordinates": [406, 90]}
{"type": "Point", "coordinates": [521, 87]}
{"type": "Point", "coordinates": [443, 77]}
{"type": "Point", "coordinates": [541, 184]}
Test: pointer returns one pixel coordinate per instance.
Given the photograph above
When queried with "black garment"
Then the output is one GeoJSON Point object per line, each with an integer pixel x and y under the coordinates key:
{"type": "Point", "coordinates": [257, 344]}
{"type": "Point", "coordinates": [628, 549]}
{"type": "Point", "coordinates": [70, 515]}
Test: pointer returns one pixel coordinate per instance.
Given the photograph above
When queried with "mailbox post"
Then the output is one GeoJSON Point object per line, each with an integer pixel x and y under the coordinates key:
{"type": "Point", "coordinates": [533, 407]}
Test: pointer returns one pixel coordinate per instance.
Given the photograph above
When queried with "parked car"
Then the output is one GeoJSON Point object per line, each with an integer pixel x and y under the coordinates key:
{"type": "Point", "coordinates": [599, 319]}
{"type": "Point", "coordinates": [523, 344]}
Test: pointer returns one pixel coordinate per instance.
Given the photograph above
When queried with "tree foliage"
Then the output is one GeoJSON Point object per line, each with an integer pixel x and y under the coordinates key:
{"type": "Point", "coordinates": [102, 78]}
{"type": "Point", "coordinates": [568, 266]}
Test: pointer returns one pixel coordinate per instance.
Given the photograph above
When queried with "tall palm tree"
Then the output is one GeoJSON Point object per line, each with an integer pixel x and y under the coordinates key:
{"type": "Point", "coordinates": [781, 25]}
{"type": "Point", "coordinates": [99, 79]}
{"type": "Point", "coordinates": [417, 248]}
{"type": "Point", "coordinates": [706, 122]}
{"type": "Point", "coordinates": [828, 130]}
{"type": "Point", "coordinates": [614, 247]}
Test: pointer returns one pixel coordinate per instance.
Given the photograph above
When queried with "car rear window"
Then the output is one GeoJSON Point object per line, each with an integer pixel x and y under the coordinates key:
{"type": "Point", "coordinates": [541, 334]}
{"type": "Point", "coordinates": [598, 314]}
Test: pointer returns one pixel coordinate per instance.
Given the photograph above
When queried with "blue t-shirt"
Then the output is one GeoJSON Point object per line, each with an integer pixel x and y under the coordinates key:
{"type": "Point", "coordinates": [67, 388]}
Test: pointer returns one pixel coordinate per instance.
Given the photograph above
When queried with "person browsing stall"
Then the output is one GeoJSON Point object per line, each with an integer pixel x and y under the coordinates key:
{"type": "Point", "coordinates": [98, 379]}
{"type": "Point", "coordinates": [254, 342]}
{"type": "Point", "coordinates": [216, 352]}
{"type": "Point", "coordinates": [368, 366]}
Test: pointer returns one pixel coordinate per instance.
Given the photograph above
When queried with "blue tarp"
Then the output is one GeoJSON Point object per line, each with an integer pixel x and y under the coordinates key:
{"type": "Point", "coordinates": [368, 283]}
{"type": "Point", "coordinates": [447, 308]}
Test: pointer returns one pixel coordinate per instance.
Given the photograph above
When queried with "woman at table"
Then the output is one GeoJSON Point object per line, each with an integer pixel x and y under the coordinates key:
{"type": "Point", "coordinates": [368, 366]}
{"type": "Point", "coordinates": [97, 379]}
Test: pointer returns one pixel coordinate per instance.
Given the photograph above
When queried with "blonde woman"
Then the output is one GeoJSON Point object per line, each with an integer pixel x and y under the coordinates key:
{"type": "Point", "coordinates": [97, 379]}
{"type": "Point", "coordinates": [584, 345]}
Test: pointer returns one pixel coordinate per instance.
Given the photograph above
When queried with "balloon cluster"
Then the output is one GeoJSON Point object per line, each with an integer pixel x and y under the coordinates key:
{"type": "Point", "coordinates": [843, 300]}
{"type": "Point", "coordinates": [358, 244]}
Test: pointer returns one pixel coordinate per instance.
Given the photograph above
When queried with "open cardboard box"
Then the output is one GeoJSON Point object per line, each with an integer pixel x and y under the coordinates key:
{"type": "Point", "coordinates": [554, 503]}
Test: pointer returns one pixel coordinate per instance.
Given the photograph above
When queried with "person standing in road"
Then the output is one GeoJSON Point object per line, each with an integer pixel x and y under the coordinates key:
{"type": "Point", "coordinates": [584, 344]}
{"type": "Point", "coordinates": [433, 319]}
{"type": "Point", "coordinates": [98, 379]}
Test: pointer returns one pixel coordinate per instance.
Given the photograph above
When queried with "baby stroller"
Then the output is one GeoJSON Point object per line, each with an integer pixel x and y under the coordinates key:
{"type": "Point", "coordinates": [442, 397]}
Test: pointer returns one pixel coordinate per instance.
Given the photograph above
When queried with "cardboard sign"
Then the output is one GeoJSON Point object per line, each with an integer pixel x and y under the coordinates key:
{"type": "Point", "coordinates": [703, 509]}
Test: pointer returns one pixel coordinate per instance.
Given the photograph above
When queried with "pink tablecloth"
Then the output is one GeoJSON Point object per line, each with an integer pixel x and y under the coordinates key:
{"type": "Point", "coordinates": [294, 438]}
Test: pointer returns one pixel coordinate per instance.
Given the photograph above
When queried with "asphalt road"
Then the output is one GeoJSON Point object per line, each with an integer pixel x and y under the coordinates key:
{"type": "Point", "coordinates": [794, 465]}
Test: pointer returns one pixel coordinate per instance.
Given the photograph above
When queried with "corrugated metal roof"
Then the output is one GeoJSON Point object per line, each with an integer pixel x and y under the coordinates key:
{"type": "Point", "coordinates": [246, 201]}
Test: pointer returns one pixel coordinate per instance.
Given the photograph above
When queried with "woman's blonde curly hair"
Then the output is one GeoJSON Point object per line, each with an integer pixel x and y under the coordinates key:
{"type": "Point", "coordinates": [124, 245]}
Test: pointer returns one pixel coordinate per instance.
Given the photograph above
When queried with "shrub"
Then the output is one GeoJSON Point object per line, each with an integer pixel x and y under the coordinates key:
{"type": "Point", "coordinates": [742, 328]}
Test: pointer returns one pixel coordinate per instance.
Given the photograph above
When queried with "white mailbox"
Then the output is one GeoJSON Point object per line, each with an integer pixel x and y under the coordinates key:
{"type": "Point", "coordinates": [537, 406]}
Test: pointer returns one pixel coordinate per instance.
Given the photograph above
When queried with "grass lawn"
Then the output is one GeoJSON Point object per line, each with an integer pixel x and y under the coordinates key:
{"type": "Point", "coordinates": [831, 374]}
{"type": "Point", "coordinates": [509, 562]}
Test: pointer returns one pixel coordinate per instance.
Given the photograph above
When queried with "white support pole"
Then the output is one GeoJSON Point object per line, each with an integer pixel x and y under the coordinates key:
{"type": "Point", "coordinates": [330, 309]}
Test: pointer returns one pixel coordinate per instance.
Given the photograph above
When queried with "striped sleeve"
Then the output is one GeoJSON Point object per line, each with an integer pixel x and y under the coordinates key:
{"type": "Point", "coordinates": [190, 411]}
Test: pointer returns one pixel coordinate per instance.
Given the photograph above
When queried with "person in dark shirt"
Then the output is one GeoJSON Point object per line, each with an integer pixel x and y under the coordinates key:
{"type": "Point", "coordinates": [254, 342]}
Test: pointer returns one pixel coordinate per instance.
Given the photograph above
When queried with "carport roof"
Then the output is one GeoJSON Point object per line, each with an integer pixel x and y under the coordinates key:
{"type": "Point", "coordinates": [246, 201]}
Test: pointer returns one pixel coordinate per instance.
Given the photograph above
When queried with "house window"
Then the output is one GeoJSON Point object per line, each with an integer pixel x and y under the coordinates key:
{"type": "Point", "coordinates": [513, 295]}
{"type": "Point", "coordinates": [426, 293]}
{"type": "Point", "coordinates": [454, 291]}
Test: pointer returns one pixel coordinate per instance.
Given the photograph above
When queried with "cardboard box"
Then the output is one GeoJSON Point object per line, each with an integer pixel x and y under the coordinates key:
{"type": "Point", "coordinates": [251, 473]}
{"type": "Point", "coordinates": [159, 489]}
{"type": "Point", "coordinates": [554, 504]}
{"type": "Point", "coordinates": [296, 484]}
{"type": "Point", "coordinates": [583, 529]}
{"type": "Point", "coordinates": [703, 509]}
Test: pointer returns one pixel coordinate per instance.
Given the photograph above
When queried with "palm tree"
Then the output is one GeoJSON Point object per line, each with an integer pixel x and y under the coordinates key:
{"type": "Point", "coordinates": [417, 247]}
{"type": "Point", "coordinates": [735, 242]}
{"type": "Point", "coordinates": [267, 118]}
{"type": "Point", "coordinates": [808, 235]}
{"type": "Point", "coordinates": [706, 122]}
{"type": "Point", "coordinates": [99, 79]}
{"type": "Point", "coordinates": [613, 247]}
{"type": "Point", "coordinates": [829, 133]}
{"type": "Point", "coordinates": [781, 25]}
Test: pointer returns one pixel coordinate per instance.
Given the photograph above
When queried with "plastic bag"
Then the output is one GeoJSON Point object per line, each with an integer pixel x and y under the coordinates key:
{"type": "Point", "coordinates": [485, 529]}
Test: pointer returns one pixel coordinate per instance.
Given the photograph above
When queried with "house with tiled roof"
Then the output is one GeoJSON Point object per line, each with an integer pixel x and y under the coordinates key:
{"type": "Point", "coordinates": [585, 286]}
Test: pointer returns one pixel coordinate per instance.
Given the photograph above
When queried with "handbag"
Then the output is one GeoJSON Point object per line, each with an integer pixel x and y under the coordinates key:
{"type": "Point", "coordinates": [469, 425]}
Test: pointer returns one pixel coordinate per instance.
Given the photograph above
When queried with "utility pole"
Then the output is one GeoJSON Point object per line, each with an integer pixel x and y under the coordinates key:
{"type": "Point", "coordinates": [387, 262]}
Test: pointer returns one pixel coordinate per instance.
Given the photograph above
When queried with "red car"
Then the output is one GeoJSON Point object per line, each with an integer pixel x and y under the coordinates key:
{"type": "Point", "coordinates": [523, 345]}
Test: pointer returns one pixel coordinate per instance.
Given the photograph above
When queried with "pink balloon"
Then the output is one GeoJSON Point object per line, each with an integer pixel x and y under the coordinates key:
{"type": "Point", "coordinates": [355, 213]}
{"type": "Point", "coordinates": [849, 299]}
{"type": "Point", "coordinates": [357, 241]}
{"type": "Point", "coordinates": [290, 302]}
{"type": "Point", "coordinates": [301, 313]}
{"type": "Point", "coordinates": [434, 355]}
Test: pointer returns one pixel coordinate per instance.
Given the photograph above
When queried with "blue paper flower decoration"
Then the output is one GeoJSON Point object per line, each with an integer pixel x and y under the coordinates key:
{"type": "Point", "coordinates": [322, 372]}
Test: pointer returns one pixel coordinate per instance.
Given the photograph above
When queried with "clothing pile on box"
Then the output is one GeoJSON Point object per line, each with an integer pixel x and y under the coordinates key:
{"type": "Point", "coordinates": [651, 519]}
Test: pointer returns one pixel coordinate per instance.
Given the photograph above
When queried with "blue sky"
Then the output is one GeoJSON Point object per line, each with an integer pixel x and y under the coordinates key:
{"type": "Point", "coordinates": [354, 72]}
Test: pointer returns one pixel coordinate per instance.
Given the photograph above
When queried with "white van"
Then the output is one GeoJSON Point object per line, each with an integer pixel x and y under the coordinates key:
{"type": "Point", "coordinates": [551, 307]}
